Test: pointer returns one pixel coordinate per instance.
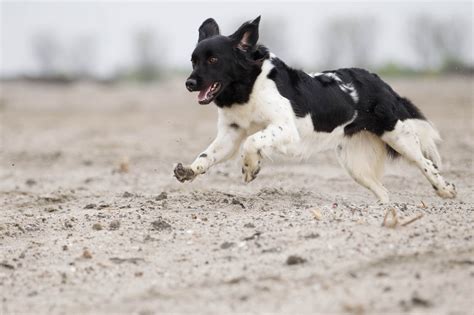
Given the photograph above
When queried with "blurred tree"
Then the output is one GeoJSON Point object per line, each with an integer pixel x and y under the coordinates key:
{"type": "Point", "coordinates": [146, 68]}
{"type": "Point", "coordinates": [439, 43]}
{"type": "Point", "coordinates": [273, 35]}
{"type": "Point", "coordinates": [452, 41]}
{"type": "Point", "coordinates": [82, 57]}
{"type": "Point", "coordinates": [46, 51]}
{"type": "Point", "coordinates": [348, 42]}
{"type": "Point", "coordinates": [422, 32]}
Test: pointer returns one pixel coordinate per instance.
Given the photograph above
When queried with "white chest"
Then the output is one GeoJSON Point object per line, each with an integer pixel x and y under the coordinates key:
{"type": "Point", "coordinates": [265, 105]}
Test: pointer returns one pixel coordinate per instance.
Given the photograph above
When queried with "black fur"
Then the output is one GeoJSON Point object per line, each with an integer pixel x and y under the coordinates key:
{"type": "Point", "coordinates": [208, 29]}
{"type": "Point", "coordinates": [311, 96]}
{"type": "Point", "coordinates": [238, 63]}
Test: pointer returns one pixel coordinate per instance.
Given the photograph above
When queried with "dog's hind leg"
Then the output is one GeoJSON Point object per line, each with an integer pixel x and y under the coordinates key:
{"type": "Point", "coordinates": [363, 156]}
{"type": "Point", "coordinates": [403, 139]}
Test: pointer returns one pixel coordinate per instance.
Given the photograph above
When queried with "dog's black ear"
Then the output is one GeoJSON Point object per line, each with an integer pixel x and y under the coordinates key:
{"type": "Point", "coordinates": [208, 29]}
{"type": "Point", "coordinates": [246, 37]}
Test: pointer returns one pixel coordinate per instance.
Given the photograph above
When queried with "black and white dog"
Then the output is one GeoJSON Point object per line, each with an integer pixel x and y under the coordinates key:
{"type": "Point", "coordinates": [268, 108]}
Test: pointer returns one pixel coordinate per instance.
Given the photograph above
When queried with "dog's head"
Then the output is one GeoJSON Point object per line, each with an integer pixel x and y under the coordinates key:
{"type": "Point", "coordinates": [219, 60]}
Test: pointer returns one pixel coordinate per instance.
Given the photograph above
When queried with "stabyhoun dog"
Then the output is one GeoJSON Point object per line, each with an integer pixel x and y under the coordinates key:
{"type": "Point", "coordinates": [268, 109]}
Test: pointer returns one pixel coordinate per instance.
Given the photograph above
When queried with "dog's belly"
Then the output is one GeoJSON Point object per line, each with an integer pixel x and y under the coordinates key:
{"type": "Point", "coordinates": [312, 141]}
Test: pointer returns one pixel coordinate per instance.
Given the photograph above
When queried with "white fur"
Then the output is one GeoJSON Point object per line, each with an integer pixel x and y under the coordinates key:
{"type": "Point", "coordinates": [363, 155]}
{"type": "Point", "coordinates": [313, 141]}
{"type": "Point", "coordinates": [267, 120]}
{"type": "Point", "coordinates": [428, 136]}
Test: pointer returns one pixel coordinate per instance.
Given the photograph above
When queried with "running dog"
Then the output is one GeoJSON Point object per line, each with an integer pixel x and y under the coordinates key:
{"type": "Point", "coordinates": [267, 108]}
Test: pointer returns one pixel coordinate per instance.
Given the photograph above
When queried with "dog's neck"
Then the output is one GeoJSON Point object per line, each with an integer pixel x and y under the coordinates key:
{"type": "Point", "coordinates": [238, 92]}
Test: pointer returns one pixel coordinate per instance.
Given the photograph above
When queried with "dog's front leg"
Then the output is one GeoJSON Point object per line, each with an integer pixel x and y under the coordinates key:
{"type": "Point", "coordinates": [228, 140]}
{"type": "Point", "coordinates": [275, 138]}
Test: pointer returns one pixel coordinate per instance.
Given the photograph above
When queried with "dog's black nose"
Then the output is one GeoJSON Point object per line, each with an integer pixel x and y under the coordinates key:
{"type": "Point", "coordinates": [191, 84]}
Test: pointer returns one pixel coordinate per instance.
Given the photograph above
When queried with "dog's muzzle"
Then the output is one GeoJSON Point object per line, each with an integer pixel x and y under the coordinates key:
{"type": "Point", "coordinates": [191, 85]}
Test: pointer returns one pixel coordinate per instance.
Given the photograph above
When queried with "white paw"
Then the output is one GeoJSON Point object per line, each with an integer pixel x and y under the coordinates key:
{"type": "Point", "coordinates": [383, 200]}
{"type": "Point", "coordinates": [448, 191]}
{"type": "Point", "coordinates": [251, 167]}
{"type": "Point", "coordinates": [383, 196]}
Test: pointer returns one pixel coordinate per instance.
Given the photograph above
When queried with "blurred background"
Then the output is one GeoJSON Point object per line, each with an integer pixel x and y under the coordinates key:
{"type": "Point", "coordinates": [152, 41]}
{"type": "Point", "coordinates": [90, 82]}
{"type": "Point", "coordinates": [94, 115]}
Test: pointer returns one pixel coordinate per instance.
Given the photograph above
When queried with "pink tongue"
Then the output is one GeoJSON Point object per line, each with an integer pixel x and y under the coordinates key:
{"type": "Point", "coordinates": [203, 93]}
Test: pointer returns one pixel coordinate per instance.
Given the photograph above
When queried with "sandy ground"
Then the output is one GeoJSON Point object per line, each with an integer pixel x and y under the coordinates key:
{"type": "Point", "coordinates": [92, 220]}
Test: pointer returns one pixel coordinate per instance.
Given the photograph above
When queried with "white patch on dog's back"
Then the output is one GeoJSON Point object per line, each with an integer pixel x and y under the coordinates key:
{"type": "Point", "coordinates": [345, 87]}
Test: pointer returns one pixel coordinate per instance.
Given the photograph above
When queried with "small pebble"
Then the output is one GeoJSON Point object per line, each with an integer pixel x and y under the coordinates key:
{"type": "Point", "coordinates": [86, 254]}
{"type": "Point", "coordinates": [160, 225]}
{"type": "Point", "coordinates": [295, 260]}
{"type": "Point", "coordinates": [114, 225]}
{"type": "Point", "coordinates": [97, 226]}
{"type": "Point", "coordinates": [226, 245]}
{"type": "Point", "coordinates": [161, 196]}
{"type": "Point", "coordinates": [30, 182]}
{"type": "Point", "coordinates": [127, 195]}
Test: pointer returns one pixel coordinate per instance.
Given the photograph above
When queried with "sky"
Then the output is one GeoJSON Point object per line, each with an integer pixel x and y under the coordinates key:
{"type": "Point", "coordinates": [296, 26]}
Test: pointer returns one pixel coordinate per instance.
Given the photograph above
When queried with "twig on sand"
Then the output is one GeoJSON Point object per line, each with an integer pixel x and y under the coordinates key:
{"type": "Point", "coordinates": [417, 217]}
{"type": "Point", "coordinates": [316, 214]}
{"type": "Point", "coordinates": [123, 166]}
{"type": "Point", "coordinates": [423, 205]}
{"type": "Point", "coordinates": [394, 221]}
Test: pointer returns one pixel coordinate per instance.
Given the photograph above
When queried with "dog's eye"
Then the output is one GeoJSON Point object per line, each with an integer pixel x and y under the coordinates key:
{"type": "Point", "coordinates": [212, 60]}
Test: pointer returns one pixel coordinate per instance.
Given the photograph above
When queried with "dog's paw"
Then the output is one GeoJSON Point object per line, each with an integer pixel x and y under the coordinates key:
{"type": "Point", "coordinates": [250, 168]}
{"type": "Point", "coordinates": [448, 191]}
{"type": "Point", "coordinates": [184, 173]}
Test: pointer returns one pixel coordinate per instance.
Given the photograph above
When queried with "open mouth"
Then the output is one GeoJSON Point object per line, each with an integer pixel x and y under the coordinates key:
{"type": "Point", "coordinates": [208, 94]}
